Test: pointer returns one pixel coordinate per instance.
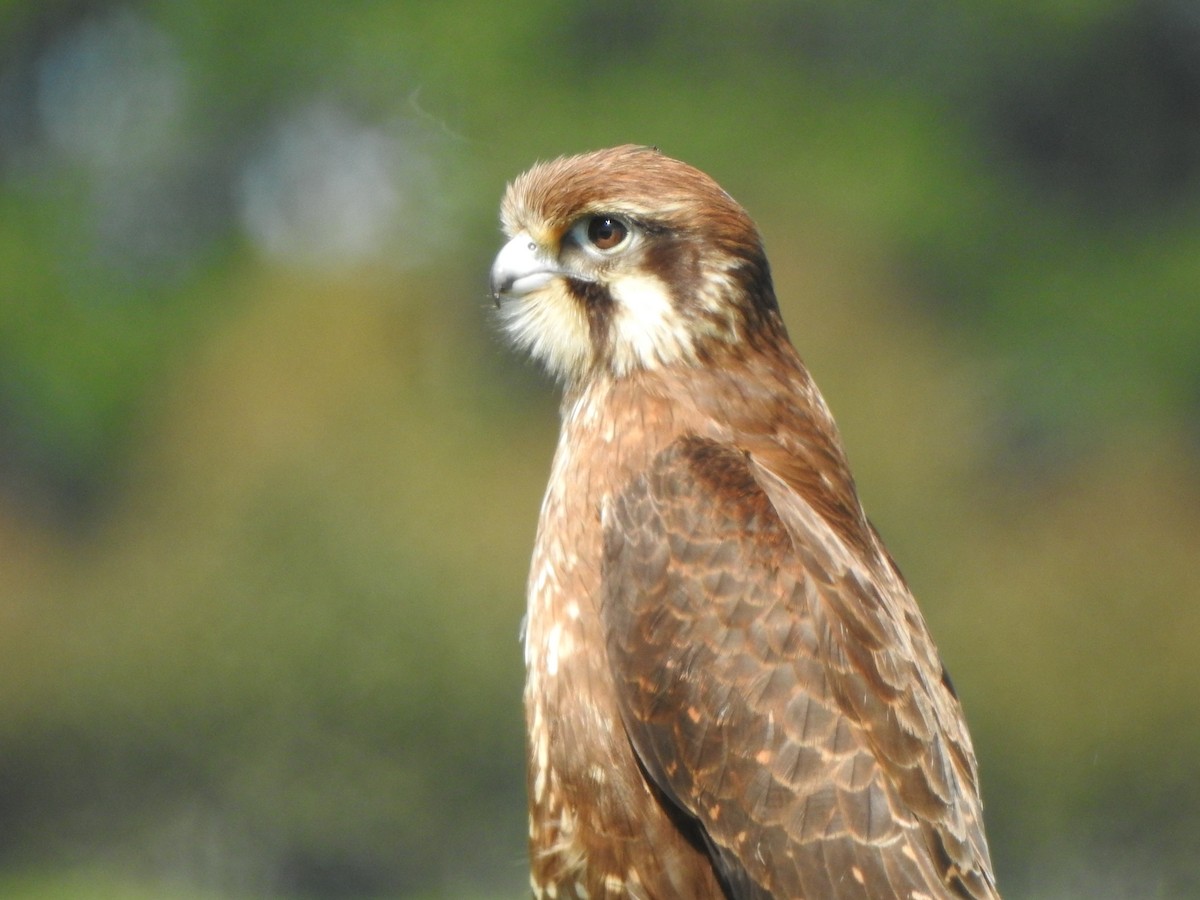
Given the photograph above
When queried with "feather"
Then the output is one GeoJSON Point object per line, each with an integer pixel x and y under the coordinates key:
{"type": "Point", "coordinates": [730, 692]}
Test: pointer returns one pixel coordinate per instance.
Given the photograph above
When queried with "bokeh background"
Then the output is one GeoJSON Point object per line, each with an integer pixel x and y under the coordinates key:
{"type": "Point", "coordinates": [269, 478]}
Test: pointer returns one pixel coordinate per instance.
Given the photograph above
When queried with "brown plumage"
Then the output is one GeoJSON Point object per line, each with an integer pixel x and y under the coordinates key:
{"type": "Point", "coordinates": [731, 692]}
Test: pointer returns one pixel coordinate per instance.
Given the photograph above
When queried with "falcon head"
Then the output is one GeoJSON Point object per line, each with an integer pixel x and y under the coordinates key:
{"type": "Point", "coordinates": [624, 260]}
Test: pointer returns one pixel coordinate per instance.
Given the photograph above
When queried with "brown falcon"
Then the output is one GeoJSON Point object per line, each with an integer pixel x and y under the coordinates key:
{"type": "Point", "coordinates": [731, 692]}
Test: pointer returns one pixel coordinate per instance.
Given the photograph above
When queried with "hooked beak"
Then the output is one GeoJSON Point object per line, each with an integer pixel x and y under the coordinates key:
{"type": "Point", "coordinates": [520, 268]}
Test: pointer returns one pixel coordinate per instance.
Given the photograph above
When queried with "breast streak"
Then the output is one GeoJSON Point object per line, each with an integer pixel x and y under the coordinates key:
{"type": "Point", "coordinates": [596, 829]}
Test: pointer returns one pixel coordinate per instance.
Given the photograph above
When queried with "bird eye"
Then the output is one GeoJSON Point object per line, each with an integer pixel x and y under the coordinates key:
{"type": "Point", "coordinates": [606, 232]}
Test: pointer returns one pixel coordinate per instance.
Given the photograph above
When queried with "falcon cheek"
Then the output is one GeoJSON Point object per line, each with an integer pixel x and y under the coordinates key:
{"type": "Point", "coordinates": [647, 330]}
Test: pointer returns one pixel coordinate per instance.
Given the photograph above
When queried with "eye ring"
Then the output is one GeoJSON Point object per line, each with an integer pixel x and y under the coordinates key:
{"type": "Point", "coordinates": [606, 233]}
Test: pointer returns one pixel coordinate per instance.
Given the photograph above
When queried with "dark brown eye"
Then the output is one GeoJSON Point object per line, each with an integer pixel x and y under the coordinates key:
{"type": "Point", "coordinates": [605, 232]}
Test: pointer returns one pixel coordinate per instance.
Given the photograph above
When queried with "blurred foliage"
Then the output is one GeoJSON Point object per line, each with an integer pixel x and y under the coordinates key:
{"type": "Point", "coordinates": [268, 479]}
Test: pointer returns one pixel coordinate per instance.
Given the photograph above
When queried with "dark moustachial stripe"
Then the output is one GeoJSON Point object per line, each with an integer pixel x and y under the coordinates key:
{"type": "Point", "coordinates": [598, 304]}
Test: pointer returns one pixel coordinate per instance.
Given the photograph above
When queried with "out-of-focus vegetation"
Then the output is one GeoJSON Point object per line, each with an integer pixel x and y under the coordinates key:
{"type": "Point", "coordinates": [268, 480]}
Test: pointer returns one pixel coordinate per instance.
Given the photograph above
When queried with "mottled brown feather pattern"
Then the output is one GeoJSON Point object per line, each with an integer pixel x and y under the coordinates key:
{"type": "Point", "coordinates": [731, 692]}
{"type": "Point", "coordinates": [783, 759]}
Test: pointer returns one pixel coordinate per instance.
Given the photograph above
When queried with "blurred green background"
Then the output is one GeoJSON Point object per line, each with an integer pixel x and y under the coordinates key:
{"type": "Point", "coordinates": [269, 478]}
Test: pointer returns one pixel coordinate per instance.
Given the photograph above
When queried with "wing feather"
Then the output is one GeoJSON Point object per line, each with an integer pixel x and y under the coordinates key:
{"type": "Point", "coordinates": [782, 693]}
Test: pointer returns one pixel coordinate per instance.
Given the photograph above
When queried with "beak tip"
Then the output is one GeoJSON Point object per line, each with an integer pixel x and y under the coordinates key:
{"type": "Point", "coordinates": [497, 286]}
